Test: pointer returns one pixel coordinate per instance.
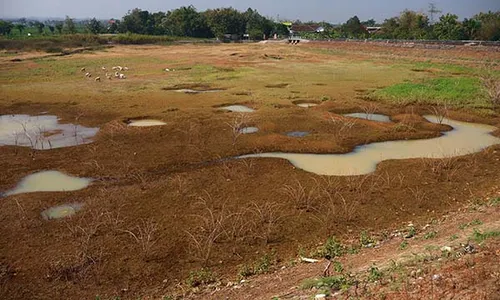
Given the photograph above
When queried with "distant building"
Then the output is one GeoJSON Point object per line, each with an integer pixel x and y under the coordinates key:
{"type": "Point", "coordinates": [303, 28]}
{"type": "Point", "coordinates": [373, 29]}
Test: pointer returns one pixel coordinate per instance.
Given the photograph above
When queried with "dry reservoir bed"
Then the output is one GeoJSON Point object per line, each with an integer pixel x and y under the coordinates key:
{"type": "Point", "coordinates": [169, 195]}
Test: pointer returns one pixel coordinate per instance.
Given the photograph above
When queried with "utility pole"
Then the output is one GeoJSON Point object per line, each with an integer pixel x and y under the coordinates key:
{"type": "Point", "coordinates": [433, 10]}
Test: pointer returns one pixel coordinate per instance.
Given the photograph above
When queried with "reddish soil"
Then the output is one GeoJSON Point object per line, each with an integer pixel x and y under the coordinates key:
{"type": "Point", "coordinates": [170, 183]}
{"type": "Point", "coordinates": [417, 272]}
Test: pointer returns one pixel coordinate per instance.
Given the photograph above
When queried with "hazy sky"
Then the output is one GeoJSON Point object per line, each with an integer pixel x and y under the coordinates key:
{"type": "Point", "coordinates": [335, 11]}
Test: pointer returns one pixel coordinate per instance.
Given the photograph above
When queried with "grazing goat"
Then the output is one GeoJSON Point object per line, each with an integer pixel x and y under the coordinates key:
{"type": "Point", "coordinates": [122, 76]}
{"type": "Point", "coordinates": [98, 78]}
{"type": "Point", "coordinates": [82, 70]}
{"type": "Point", "coordinates": [88, 75]}
{"type": "Point", "coordinates": [103, 68]}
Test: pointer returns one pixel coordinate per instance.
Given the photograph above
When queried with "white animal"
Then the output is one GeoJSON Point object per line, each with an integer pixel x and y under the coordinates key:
{"type": "Point", "coordinates": [167, 69]}
{"type": "Point", "coordinates": [88, 75]}
{"type": "Point", "coordinates": [122, 76]}
{"type": "Point", "coordinates": [114, 68]}
{"type": "Point", "coordinates": [117, 74]}
{"type": "Point", "coordinates": [125, 69]}
{"type": "Point", "coordinates": [103, 68]}
{"type": "Point", "coordinates": [82, 70]}
{"type": "Point", "coordinates": [98, 78]}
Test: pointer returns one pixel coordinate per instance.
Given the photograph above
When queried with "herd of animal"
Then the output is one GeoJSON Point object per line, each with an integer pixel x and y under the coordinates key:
{"type": "Point", "coordinates": [117, 74]}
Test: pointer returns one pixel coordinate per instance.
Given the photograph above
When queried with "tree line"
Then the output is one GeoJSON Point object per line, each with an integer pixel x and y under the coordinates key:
{"type": "Point", "coordinates": [186, 21]}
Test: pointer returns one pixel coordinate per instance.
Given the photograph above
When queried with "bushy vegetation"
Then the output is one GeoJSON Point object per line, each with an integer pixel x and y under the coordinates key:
{"type": "Point", "coordinates": [201, 277]}
{"type": "Point", "coordinates": [457, 91]}
{"type": "Point", "coordinates": [187, 21]}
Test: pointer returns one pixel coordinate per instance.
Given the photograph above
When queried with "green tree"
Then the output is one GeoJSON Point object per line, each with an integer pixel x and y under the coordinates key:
{"type": "Point", "coordinates": [20, 27]}
{"type": "Point", "coordinates": [354, 29]}
{"type": "Point", "coordinates": [5, 27]}
{"type": "Point", "coordinates": [39, 26]}
{"type": "Point", "coordinates": [225, 21]}
{"type": "Point", "coordinates": [448, 28]}
{"type": "Point", "coordinates": [51, 28]}
{"type": "Point", "coordinates": [471, 28]}
{"type": "Point", "coordinates": [490, 26]}
{"type": "Point", "coordinates": [408, 25]}
{"type": "Point", "coordinates": [59, 27]}
{"type": "Point", "coordinates": [94, 26]}
{"type": "Point", "coordinates": [389, 29]}
{"type": "Point", "coordinates": [186, 21]}
{"type": "Point", "coordinates": [138, 21]}
{"type": "Point", "coordinates": [257, 26]}
{"type": "Point", "coordinates": [69, 26]}
{"type": "Point", "coordinates": [157, 19]}
{"type": "Point", "coordinates": [114, 25]}
{"type": "Point", "coordinates": [369, 23]}
{"type": "Point", "coordinates": [412, 25]}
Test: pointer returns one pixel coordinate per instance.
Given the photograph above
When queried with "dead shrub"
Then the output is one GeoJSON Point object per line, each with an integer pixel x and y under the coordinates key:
{"type": "Point", "coordinates": [236, 124]}
{"type": "Point", "coordinates": [440, 110]}
{"type": "Point", "coordinates": [269, 216]}
{"type": "Point", "coordinates": [302, 197]}
{"type": "Point", "coordinates": [342, 125]}
{"type": "Point", "coordinates": [491, 85]}
{"type": "Point", "coordinates": [144, 235]}
{"type": "Point", "coordinates": [211, 229]}
{"type": "Point", "coordinates": [444, 168]}
{"type": "Point", "coordinates": [369, 109]}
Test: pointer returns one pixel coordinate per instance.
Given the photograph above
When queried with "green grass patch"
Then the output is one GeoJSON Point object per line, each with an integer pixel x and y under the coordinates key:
{"type": "Point", "coordinates": [261, 266]}
{"type": "Point", "coordinates": [403, 245]}
{"type": "Point", "coordinates": [456, 91]}
{"type": "Point", "coordinates": [332, 248]}
{"type": "Point", "coordinates": [480, 237]}
{"type": "Point", "coordinates": [430, 235]}
{"type": "Point", "coordinates": [494, 201]}
{"type": "Point", "coordinates": [475, 222]}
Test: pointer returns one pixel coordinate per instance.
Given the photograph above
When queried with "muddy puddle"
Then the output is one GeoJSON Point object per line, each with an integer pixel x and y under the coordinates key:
{"type": "Point", "coordinates": [48, 181]}
{"type": "Point", "coordinates": [42, 132]}
{"type": "Point", "coordinates": [465, 138]}
{"type": "Point", "coordinates": [191, 91]}
{"type": "Point", "coordinates": [248, 130]}
{"type": "Point", "coordinates": [145, 123]}
{"type": "Point", "coordinates": [61, 211]}
{"type": "Point", "coordinates": [238, 108]}
{"type": "Point", "coordinates": [193, 88]}
{"type": "Point", "coordinates": [297, 133]}
{"type": "Point", "coordinates": [370, 117]}
{"type": "Point", "coordinates": [306, 105]}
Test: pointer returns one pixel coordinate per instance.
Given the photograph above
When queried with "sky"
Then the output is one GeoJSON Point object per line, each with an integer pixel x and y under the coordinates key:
{"type": "Point", "coordinates": [333, 11]}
